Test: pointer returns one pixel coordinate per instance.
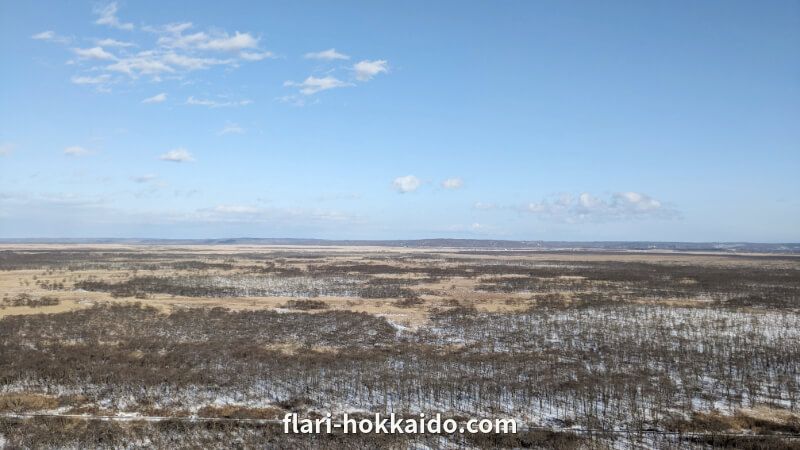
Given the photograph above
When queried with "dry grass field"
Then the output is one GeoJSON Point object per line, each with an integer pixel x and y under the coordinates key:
{"type": "Point", "coordinates": [583, 349]}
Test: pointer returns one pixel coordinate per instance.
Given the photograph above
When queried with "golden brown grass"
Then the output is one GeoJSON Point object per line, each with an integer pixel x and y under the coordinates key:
{"type": "Point", "coordinates": [24, 402]}
{"type": "Point", "coordinates": [437, 294]}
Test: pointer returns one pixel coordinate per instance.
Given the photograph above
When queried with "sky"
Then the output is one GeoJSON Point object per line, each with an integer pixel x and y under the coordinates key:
{"type": "Point", "coordinates": [523, 120]}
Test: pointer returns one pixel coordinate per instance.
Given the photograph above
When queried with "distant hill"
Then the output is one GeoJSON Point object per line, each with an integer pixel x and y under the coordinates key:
{"type": "Point", "coordinates": [475, 244]}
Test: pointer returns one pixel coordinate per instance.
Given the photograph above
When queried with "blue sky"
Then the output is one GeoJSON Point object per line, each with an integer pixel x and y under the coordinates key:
{"type": "Point", "coordinates": [389, 120]}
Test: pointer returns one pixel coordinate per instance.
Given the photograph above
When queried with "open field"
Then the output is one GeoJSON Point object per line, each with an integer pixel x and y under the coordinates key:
{"type": "Point", "coordinates": [584, 349]}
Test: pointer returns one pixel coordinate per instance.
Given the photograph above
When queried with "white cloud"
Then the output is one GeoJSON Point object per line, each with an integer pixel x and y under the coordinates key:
{"type": "Point", "coordinates": [93, 53]}
{"type": "Point", "coordinates": [190, 62]}
{"type": "Point", "coordinates": [216, 104]}
{"type": "Point", "coordinates": [405, 184]}
{"type": "Point", "coordinates": [75, 150]}
{"type": "Point", "coordinates": [29, 213]}
{"type": "Point", "coordinates": [172, 28]}
{"type": "Point", "coordinates": [589, 208]}
{"type": "Point", "coordinates": [479, 227]}
{"type": "Point", "coordinates": [312, 85]}
{"type": "Point", "coordinates": [180, 40]}
{"type": "Point", "coordinates": [634, 201]}
{"type": "Point", "coordinates": [45, 35]}
{"type": "Point", "coordinates": [6, 148]}
{"type": "Point", "coordinates": [144, 178]}
{"type": "Point", "coordinates": [225, 43]}
{"type": "Point", "coordinates": [108, 17]}
{"type": "Point", "coordinates": [296, 100]}
{"type": "Point", "coordinates": [173, 37]}
{"type": "Point", "coordinates": [100, 79]}
{"type": "Point", "coordinates": [175, 51]}
{"type": "Point", "coordinates": [113, 43]}
{"type": "Point", "coordinates": [536, 207]}
{"type": "Point", "coordinates": [251, 56]}
{"type": "Point", "coordinates": [365, 70]}
{"type": "Point", "coordinates": [484, 206]}
{"type": "Point", "coordinates": [589, 203]}
{"type": "Point", "coordinates": [230, 128]}
{"type": "Point", "coordinates": [328, 55]}
{"type": "Point", "coordinates": [142, 64]}
{"type": "Point", "coordinates": [177, 155]}
{"type": "Point", "coordinates": [156, 98]}
{"type": "Point", "coordinates": [237, 209]}
{"type": "Point", "coordinates": [564, 199]}
{"type": "Point", "coordinates": [453, 183]}
{"type": "Point", "coordinates": [234, 213]}
{"type": "Point", "coordinates": [51, 36]}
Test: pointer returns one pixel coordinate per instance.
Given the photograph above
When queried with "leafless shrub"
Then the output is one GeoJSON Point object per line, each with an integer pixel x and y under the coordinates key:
{"type": "Point", "coordinates": [305, 305]}
{"type": "Point", "coordinates": [29, 301]}
{"type": "Point", "coordinates": [409, 302]}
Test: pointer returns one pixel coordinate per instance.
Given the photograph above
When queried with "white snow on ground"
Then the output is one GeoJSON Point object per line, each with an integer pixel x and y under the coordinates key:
{"type": "Point", "coordinates": [393, 323]}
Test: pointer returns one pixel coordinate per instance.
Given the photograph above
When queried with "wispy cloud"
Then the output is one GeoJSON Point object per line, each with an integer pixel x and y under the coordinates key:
{"type": "Point", "coordinates": [329, 197]}
{"type": "Point", "coordinates": [91, 80]}
{"type": "Point", "coordinates": [51, 36]}
{"type": "Point", "coordinates": [230, 128]}
{"type": "Point", "coordinates": [45, 35]}
{"type": "Point", "coordinates": [485, 206]}
{"type": "Point", "coordinates": [178, 155]}
{"type": "Point", "coordinates": [149, 63]}
{"type": "Point", "coordinates": [237, 209]}
{"type": "Point", "coordinates": [329, 55]}
{"type": "Point", "coordinates": [145, 178]}
{"type": "Point", "coordinates": [6, 148]}
{"type": "Point", "coordinates": [156, 98]}
{"type": "Point", "coordinates": [216, 104]}
{"type": "Point", "coordinates": [90, 215]}
{"type": "Point", "coordinates": [590, 208]}
{"type": "Point", "coordinates": [173, 37]}
{"type": "Point", "coordinates": [113, 43]}
{"type": "Point", "coordinates": [256, 56]}
{"type": "Point", "coordinates": [312, 85]}
{"type": "Point", "coordinates": [142, 64]}
{"type": "Point", "coordinates": [296, 100]}
{"type": "Point", "coordinates": [177, 50]}
{"type": "Point", "coordinates": [225, 43]}
{"type": "Point", "coordinates": [233, 213]}
{"type": "Point", "coordinates": [100, 79]}
{"type": "Point", "coordinates": [108, 16]}
{"type": "Point", "coordinates": [93, 53]}
{"type": "Point", "coordinates": [365, 70]}
{"type": "Point", "coordinates": [190, 62]}
{"type": "Point", "coordinates": [453, 183]}
{"type": "Point", "coordinates": [408, 183]}
{"type": "Point", "coordinates": [75, 150]}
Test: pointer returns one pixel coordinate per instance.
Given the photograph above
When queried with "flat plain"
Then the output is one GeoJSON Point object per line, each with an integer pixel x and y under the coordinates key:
{"type": "Point", "coordinates": [208, 346]}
